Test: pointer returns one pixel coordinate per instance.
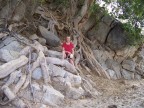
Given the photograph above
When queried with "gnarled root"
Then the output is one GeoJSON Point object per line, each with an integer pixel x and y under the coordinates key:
{"type": "Point", "coordinates": [11, 66]}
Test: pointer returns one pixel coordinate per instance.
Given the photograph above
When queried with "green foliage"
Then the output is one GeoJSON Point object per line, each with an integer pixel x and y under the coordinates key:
{"type": "Point", "coordinates": [133, 11]}
{"type": "Point", "coordinates": [95, 9]}
{"type": "Point", "coordinates": [133, 34]}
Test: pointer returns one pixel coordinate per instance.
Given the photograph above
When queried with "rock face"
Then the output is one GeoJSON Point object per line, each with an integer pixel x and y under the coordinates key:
{"type": "Point", "coordinates": [10, 49]}
{"type": "Point", "coordinates": [52, 96]}
{"type": "Point", "coordinates": [127, 74]}
{"type": "Point", "coordinates": [51, 38]}
{"type": "Point", "coordinates": [7, 11]}
{"type": "Point", "coordinates": [112, 74]}
{"type": "Point", "coordinates": [116, 39]}
{"type": "Point", "coordinates": [99, 32]}
{"type": "Point", "coordinates": [8, 55]}
{"type": "Point", "coordinates": [129, 65]}
{"type": "Point", "coordinates": [75, 93]}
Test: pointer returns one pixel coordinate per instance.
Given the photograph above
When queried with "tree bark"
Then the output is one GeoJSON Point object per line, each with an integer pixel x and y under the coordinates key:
{"type": "Point", "coordinates": [11, 66]}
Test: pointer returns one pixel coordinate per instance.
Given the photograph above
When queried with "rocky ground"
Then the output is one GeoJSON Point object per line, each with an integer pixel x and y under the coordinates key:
{"type": "Point", "coordinates": [121, 93]}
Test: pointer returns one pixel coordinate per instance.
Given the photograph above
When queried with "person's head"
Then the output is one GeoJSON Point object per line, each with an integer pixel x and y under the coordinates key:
{"type": "Point", "coordinates": [68, 39]}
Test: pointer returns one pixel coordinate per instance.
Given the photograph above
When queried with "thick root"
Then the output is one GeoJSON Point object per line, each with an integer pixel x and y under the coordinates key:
{"type": "Point", "coordinates": [19, 84]}
{"type": "Point", "coordinates": [12, 78]}
{"type": "Point", "coordinates": [11, 66]}
{"type": "Point", "coordinates": [69, 67]}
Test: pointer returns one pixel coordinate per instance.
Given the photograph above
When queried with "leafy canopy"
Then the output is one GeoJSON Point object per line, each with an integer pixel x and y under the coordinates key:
{"type": "Point", "coordinates": [133, 11]}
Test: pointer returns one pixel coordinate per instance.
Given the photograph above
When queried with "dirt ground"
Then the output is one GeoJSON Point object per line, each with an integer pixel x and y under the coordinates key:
{"type": "Point", "coordinates": [122, 93]}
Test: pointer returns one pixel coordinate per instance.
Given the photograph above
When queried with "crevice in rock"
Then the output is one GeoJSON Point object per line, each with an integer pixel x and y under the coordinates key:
{"type": "Point", "coordinates": [109, 31]}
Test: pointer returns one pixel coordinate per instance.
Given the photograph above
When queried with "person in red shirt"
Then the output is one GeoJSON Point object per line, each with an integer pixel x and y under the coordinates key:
{"type": "Point", "coordinates": [68, 50]}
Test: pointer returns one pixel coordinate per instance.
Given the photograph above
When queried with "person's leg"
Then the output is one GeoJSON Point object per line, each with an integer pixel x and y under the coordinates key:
{"type": "Point", "coordinates": [71, 61]}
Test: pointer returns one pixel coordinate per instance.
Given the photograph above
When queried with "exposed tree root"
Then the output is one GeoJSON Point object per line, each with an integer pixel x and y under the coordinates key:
{"type": "Point", "coordinates": [11, 66]}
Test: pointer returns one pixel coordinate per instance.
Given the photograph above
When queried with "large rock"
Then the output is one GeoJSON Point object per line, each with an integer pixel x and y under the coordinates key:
{"type": "Point", "coordinates": [9, 40]}
{"type": "Point", "coordinates": [102, 56]}
{"type": "Point", "coordinates": [113, 65]}
{"type": "Point", "coordinates": [75, 93]}
{"type": "Point", "coordinates": [56, 71]}
{"type": "Point", "coordinates": [8, 55]}
{"type": "Point", "coordinates": [107, 20]}
{"type": "Point", "coordinates": [99, 32]}
{"type": "Point", "coordinates": [128, 51]}
{"type": "Point", "coordinates": [50, 37]}
{"type": "Point", "coordinates": [17, 15]}
{"type": "Point", "coordinates": [127, 74]}
{"type": "Point", "coordinates": [129, 65]}
{"type": "Point", "coordinates": [52, 96]}
{"type": "Point", "coordinates": [1, 44]}
{"type": "Point", "coordinates": [11, 51]}
{"type": "Point", "coordinates": [19, 12]}
{"type": "Point", "coordinates": [116, 39]}
{"type": "Point", "coordinates": [59, 83]}
{"type": "Point", "coordinates": [14, 46]}
{"type": "Point", "coordinates": [112, 74]}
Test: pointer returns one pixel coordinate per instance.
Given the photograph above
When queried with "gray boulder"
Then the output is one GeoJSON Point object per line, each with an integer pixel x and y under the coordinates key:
{"type": "Point", "coordinates": [56, 71]}
{"type": "Point", "coordinates": [37, 74]}
{"type": "Point", "coordinates": [116, 39]}
{"type": "Point", "coordinates": [9, 40]}
{"type": "Point", "coordinates": [129, 65]}
{"type": "Point", "coordinates": [112, 74]}
{"type": "Point", "coordinates": [7, 11]}
{"type": "Point", "coordinates": [52, 96]}
{"type": "Point", "coordinates": [107, 20]}
{"type": "Point", "coordinates": [1, 44]}
{"type": "Point", "coordinates": [14, 46]}
{"type": "Point", "coordinates": [75, 93]}
{"type": "Point", "coordinates": [51, 38]}
{"type": "Point", "coordinates": [8, 55]}
{"type": "Point", "coordinates": [99, 32]}
{"type": "Point", "coordinates": [127, 74]}
{"type": "Point", "coordinates": [114, 65]}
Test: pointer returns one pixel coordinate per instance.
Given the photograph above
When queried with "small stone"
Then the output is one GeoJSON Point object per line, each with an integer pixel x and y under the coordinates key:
{"type": "Point", "coordinates": [34, 37]}
{"type": "Point", "coordinates": [37, 74]}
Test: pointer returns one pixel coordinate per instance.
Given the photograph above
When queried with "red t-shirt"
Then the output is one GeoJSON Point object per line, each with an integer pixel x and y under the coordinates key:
{"type": "Point", "coordinates": [68, 47]}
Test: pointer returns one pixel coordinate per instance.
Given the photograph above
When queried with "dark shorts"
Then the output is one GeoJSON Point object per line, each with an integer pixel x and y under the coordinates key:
{"type": "Point", "coordinates": [67, 56]}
